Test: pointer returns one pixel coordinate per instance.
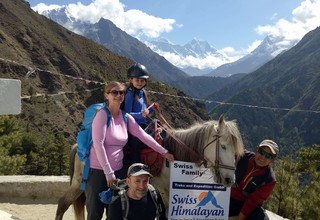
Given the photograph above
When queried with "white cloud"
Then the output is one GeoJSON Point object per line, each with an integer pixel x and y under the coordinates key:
{"type": "Point", "coordinates": [274, 16]}
{"type": "Point", "coordinates": [305, 18]}
{"type": "Point", "coordinates": [134, 22]}
{"type": "Point", "coordinates": [253, 46]}
{"type": "Point", "coordinates": [41, 7]}
{"type": "Point", "coordinates": [231, 53]}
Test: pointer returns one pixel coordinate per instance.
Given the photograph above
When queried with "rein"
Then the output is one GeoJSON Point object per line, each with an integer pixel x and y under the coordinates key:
{"type": "Point", "coordinates": [216, 138]}
{"type": "Point", "coordinates": [169, 129]}
{"type": "Point", "coordinates": [182, 143]}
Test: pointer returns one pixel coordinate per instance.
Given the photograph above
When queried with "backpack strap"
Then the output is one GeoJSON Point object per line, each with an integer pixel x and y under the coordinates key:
{"type": "Point", "coordinates": [124, 203]}
{"type": "Point", "coordinates": [109, 116]}
{"type": "Point", "coordinates": [133, 97]}
{"type": "Point", "coordinates": [85, 174]}
{"type": "Point", "coordinates": [125, 117]}
{"type": "Point", "coordinates": [154, 196]}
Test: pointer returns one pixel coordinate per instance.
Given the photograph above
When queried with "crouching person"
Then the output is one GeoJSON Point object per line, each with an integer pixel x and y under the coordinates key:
{"type": "Point", "coordinates": [140, 201]}
{"type": "Point", "coordinates": [255, 181]}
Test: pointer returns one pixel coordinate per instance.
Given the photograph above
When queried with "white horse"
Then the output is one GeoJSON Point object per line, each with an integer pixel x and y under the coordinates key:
{"type": "Point", "coordinates": [216, 144]}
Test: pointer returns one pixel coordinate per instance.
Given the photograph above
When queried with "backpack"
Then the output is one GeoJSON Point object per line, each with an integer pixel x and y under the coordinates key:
{"type": "Point", "coordinates": [120, 190]}
{"type": "Point", "coordinates": [84, 137]}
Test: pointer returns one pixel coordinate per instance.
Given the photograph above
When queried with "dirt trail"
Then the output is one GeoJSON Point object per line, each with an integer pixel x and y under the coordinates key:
{"type": "Point", "coordinates": [29, 209]}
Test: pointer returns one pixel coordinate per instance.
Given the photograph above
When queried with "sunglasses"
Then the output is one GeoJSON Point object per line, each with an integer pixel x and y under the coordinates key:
{"type": "Point", "coordinates": [116, 92]}
{"type": "Point", "coordinates": [138, 168]}
{"type": "Point", "coordinates": [265, 153]}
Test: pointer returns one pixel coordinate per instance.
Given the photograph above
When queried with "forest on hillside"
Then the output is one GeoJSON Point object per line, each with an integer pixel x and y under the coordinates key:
{"type": "Point", "coordinates": [295, 195]}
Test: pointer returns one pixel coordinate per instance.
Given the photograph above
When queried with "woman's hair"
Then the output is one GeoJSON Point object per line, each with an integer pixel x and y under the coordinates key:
{"type": "Point", "coordinates": [109, 86]}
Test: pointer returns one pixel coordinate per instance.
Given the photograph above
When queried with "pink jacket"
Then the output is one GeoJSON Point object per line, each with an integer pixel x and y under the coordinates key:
{"type": "Point", "coordinates": [107, 150]}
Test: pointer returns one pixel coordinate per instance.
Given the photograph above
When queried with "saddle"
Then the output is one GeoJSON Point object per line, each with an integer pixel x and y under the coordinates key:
{"type": "Point", "coordinates": [150, 157]}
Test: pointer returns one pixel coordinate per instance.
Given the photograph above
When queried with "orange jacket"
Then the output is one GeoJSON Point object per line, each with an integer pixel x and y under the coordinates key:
{"type": "Point", "coordinates": [253, 185]}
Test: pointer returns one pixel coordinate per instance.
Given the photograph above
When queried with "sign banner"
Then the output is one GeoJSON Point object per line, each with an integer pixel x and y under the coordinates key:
{"type": "Point", "coordinates": [194, 195]}
{"type": "Point", "coordinates": [10, 96]}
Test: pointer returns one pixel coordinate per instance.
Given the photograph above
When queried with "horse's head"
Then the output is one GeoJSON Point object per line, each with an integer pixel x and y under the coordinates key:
{"type": "Point", "coordinates": [217, 143]}
{"type": "Point", "coordinates": [223, 147]}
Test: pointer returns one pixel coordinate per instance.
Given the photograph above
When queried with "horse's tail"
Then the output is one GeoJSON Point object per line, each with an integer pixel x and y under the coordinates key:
{"type": "Point", "coordinates": [73, 195]}
{"type": "Point", "coordinates": [72, 156]}
{"type": "Point", "coordinates": [79, 202]}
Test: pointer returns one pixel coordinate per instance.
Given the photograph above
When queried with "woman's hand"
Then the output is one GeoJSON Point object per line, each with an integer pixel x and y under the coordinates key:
{"type": "Point", "coordinates": [111, 182]}
{"type": "Point", "coordinates": [169, 157]}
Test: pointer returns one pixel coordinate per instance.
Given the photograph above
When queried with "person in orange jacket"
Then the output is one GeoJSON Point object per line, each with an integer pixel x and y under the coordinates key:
{"type": "Point", "coordinates": [255, 180]}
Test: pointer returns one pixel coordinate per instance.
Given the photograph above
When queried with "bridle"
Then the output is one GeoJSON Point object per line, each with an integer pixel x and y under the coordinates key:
{"type": "Point", "coordinates": [217, 163]}
{"type": "Point", "coordinates": [204, 161]}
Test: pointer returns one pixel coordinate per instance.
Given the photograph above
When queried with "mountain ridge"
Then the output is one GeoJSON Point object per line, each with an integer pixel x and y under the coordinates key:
{"type": "Point", "coordinates": [70, 70]}
{"type": "Point", "coordinates": [289, 81]}
{"type": "Point", "coordinates": [266, 51]}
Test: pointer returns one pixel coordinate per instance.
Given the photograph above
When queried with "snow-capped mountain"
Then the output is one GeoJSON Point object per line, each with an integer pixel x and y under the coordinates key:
{"type": "Point", "coordinates": [195, 58]}
{"type": "Point", "coordinates": [193, 48]}
{"type": "Point", "coordinates": [109, 35]}
{"type": "Point", "coordinates": [269, 48]}
{"type": "Point", "coordinates": [60, 15]}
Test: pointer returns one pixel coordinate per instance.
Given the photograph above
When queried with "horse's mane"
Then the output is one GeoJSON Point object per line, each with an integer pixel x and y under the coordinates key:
{"type": "Point", "coordinates": [234, 134]}
{"type": "Point", "coordinates": [196, 136]}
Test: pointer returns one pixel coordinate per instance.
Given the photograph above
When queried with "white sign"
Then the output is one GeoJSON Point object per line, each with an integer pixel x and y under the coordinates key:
{"type": "Point", "coordinates": [194, 195]}
{"type": "Point", "coordinates": [10, 96]}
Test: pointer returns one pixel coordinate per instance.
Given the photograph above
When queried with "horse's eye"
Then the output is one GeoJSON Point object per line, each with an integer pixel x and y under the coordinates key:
{"type": "Point", "coordinates": [223, 147]}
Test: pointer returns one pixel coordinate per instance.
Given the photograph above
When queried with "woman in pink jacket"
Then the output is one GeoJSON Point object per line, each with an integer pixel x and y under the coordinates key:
{"type": "Point", "coordinates": [106, 153]}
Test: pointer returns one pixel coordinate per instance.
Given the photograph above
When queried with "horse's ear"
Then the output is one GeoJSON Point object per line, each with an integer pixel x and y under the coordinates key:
{"type": "Point", "coordinates": [222, 124]}
{"type": "Point", "coordinates": [221, 120]}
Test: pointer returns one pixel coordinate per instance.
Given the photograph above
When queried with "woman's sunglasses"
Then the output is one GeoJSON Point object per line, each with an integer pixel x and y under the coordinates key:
{"type": "Point", "coordinates": [265, 153]}
{"type": "Point", "coordinates": [116, 92]}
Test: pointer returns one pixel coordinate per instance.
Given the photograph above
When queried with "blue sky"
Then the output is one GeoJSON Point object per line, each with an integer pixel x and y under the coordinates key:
{"type": "Point", "coordinates": [234, 27]}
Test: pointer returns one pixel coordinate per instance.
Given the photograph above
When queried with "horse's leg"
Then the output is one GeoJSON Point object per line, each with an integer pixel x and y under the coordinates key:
{"type": "Point", "coordinates": [64, 202]}
{"type": "Point", "coordinates": [161, 182]}
{"type": "Point", "coordinates": [78, 206]}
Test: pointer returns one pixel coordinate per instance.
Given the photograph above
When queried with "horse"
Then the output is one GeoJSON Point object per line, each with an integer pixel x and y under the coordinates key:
{"type": "Point", "coordinates": [215, 144]}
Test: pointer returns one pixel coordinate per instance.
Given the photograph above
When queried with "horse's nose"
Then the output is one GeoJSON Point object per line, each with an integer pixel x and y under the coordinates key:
{"type": "Point", "coordinates": [228, 180]}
